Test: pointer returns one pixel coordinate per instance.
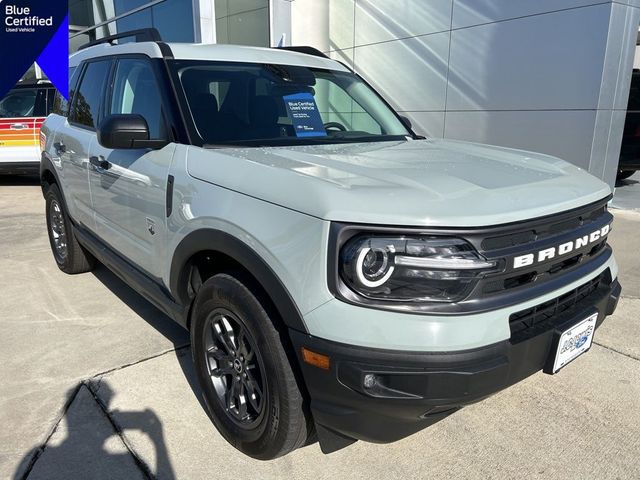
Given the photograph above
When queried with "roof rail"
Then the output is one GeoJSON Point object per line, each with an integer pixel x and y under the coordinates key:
{"type": "Point", "coordinates": [306, 50]}
{"type": "Point", "coordinates": [142, 35]}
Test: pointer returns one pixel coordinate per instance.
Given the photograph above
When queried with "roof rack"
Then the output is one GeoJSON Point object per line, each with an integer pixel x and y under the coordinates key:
{"type": "Point", "coordinates": [142, 35]}
{"type": "Point", "coordinates": [306, 50]}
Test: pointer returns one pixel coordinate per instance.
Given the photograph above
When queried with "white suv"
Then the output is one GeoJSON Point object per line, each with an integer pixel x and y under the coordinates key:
{"type": "Point", "coordinates": [338, 273]}
{"type": "Point", "coordinates": [22, 112]}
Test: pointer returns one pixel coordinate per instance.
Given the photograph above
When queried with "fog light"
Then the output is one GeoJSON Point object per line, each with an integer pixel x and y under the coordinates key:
{"type": "Point", "coordinates": [369, 380]}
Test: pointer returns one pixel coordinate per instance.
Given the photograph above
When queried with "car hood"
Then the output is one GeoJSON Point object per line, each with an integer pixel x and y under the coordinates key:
{"type": "Point", "coordinates": [412, 183]}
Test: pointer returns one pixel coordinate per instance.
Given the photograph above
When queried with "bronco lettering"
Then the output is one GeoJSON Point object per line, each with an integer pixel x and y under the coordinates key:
{"type": "Point", "coordinates": [568, 247]}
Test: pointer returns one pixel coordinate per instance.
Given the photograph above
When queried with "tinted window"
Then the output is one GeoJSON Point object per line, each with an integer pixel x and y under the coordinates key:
{"type": "Point", "coordinates": [261, 104]}
{"type": "Point", "coordinates": [135, 90]}
{"type": "Point", "coordinates": [60, 104]}
{"type": "Point", "coordinates": [88, 99]}
{"type": "Point", "coordinates": [20, 103]}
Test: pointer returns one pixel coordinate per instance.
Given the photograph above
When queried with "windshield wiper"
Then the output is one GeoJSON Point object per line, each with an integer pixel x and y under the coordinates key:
{"type": "Point", "coordinates": [302, 141]}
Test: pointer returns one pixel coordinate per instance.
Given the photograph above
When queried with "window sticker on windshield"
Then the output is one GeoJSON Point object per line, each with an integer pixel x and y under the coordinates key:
{"type": "Point", "coordinates": [304, 114]}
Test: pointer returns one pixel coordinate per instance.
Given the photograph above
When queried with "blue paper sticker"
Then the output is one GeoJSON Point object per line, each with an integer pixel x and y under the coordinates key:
{"type": "Point", "coordinates": [304, 114]}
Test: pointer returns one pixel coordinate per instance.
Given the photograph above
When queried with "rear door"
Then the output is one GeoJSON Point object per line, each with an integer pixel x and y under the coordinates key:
{"type": "Point", "coordinates": [76, 136]}
{"type": "Point", "coordinates": [129, 197]}
{"type": "Point", "coordinates": [22, 111]}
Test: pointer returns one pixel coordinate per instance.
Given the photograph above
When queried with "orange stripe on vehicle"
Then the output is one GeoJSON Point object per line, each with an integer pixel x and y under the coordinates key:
{"type": "Point", "coordinates": [26, 131]}
{"type": "Point", "coordinates": [7, 139]}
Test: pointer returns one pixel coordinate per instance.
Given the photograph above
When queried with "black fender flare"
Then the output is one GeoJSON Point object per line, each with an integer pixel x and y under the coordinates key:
{"type": "Point", "coordinates": [46, 165]}
{"type": "Point", "coordinates": [222, 242]}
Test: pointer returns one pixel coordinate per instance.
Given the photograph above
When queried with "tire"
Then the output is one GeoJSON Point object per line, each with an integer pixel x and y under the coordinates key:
{"type": "Point", "coordinates": [272, 422]}
{"type": "Point", "coordinates": [70, 257]}
{"type": "Point", "coordinates": [624, 174]}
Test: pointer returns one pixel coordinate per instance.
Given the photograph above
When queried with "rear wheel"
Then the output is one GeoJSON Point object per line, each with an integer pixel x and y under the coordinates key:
{"type": "Point", "coordinates": [624, 174]}
{"type": "Point", "coordinates": [246, 378]}
{"type": "Point", "coordinates": [69, 255]}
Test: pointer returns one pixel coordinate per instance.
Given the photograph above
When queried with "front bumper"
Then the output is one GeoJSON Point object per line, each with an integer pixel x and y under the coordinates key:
{"type": "Point", "coordinates": [414, 390]}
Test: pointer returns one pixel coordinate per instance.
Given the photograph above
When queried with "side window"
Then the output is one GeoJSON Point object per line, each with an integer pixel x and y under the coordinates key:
{"type": "Point", "coordinates": [20, 102]}
{"type": "Point", "coordinates": [60, 104]}
{"type": "Point", "coordinates": [135, 90]}
{"type": "Point", "coordinates": [88, 99]}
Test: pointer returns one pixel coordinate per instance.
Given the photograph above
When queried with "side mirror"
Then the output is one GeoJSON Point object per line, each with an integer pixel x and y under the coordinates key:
{"type": "Point", "coordinates": [126, 131]}
{"type": "Point", "coordinates": [406, 122]}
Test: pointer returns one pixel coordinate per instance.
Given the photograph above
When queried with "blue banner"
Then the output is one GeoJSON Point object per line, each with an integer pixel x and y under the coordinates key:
{"type": "Point", "coordinates": [34, 31]}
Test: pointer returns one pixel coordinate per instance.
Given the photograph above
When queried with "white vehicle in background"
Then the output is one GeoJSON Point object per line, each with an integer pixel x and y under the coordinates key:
{"type": "Point", "coordinates": [22, 112]}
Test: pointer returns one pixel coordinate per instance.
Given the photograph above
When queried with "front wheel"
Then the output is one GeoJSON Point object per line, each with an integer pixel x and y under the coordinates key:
{"type": "Point", "coordinates": [247, 381]}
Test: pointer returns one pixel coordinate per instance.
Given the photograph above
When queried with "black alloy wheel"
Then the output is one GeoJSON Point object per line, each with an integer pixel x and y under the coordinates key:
{"type": "Point", "coordinates": [245, 369]}
{"type": "Point", "coordinates": [235, 367]}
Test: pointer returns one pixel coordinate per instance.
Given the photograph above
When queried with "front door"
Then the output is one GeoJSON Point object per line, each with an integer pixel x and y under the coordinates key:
{"type": "Point", "coordinates": [75, 138]}
{"type": "Point", "coordinates": [129, 196]}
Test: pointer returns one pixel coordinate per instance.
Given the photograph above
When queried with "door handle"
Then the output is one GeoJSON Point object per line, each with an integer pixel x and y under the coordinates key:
{"type": "Point", "coordinates": [60, 147]}
{"type": "Point", "coordinates": [100, 162]}
{"type": "Point", "coordinates": [18, 126]}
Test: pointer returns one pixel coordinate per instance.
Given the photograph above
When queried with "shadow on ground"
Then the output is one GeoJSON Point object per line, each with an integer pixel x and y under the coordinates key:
{"type": "Point", "coordinates": [627, 193]}
{"type": "Point", "coordinates": [158, 320]}
{"type": "Point", "coordinates": [627, 182]}
{"type": "Point", "coordinates": [88, 441]}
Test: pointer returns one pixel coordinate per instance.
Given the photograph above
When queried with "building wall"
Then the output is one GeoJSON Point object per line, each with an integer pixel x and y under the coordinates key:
{"type": "Point", "coordinates": [550, 76]}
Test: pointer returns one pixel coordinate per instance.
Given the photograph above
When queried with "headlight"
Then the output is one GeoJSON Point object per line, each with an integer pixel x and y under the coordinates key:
{"type": "Point", "coordinates": [411, 269]}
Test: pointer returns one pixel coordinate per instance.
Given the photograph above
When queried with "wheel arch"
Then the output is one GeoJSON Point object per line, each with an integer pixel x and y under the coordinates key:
{"type": "Point", "coordinates": [219, 245]}
{"type": "Point", "coordinates": [48, 174]}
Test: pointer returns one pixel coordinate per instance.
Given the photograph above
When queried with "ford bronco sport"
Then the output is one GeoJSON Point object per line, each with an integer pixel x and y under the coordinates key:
{"type": "Point", "coordinates": [341, 277]}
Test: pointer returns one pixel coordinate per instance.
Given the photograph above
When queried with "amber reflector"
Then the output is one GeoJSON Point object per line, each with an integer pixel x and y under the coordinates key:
{"type": "Point", "coordinates": [315, 359]}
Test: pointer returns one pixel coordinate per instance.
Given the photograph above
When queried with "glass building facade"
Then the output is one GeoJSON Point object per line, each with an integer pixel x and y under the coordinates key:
{"type": "Point", "coordinates": [244, 22]}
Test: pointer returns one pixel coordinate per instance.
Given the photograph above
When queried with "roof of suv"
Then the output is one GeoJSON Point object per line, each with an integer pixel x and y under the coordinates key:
{"type": "Point", "coordinates": [214, 52]}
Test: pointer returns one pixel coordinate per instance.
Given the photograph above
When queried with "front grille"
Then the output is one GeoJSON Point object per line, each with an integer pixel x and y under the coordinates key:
{"type": "Point", "coordinates": [545, 230]}
{"type": "Point", "coordinates": [534, 236]}
{"type": "Point", "coordinates": [541, 272]}
{"type": "Point", "coordinates": [540, 318]}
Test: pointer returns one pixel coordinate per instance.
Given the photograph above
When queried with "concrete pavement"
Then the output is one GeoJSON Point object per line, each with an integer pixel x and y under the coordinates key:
{"type": "Point", "coordinates": [627, 193]}
{"type": "Point", "coordinates": [96, 383]}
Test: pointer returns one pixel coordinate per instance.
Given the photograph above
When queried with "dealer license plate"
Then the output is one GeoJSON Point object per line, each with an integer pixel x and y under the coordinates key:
{"type": "Point", "coordinates": [574, 342]}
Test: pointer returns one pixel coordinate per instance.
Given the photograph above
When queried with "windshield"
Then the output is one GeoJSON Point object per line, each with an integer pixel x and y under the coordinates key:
{"type": "Point", "coordinates": [261, 104]}
{"type": "Point", "coordinates": [19, 103]}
